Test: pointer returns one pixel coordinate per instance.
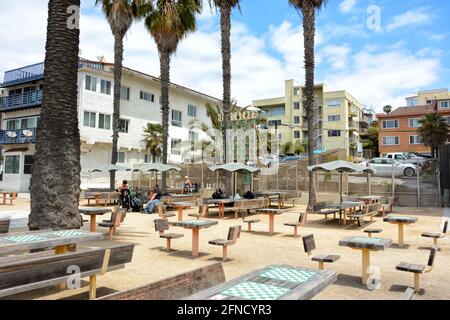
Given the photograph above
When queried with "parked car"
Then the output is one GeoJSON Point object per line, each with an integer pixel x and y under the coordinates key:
{"type": "Point", "coordinates": [383, 167]}
{"type": "Point", "coordinates": [291, 157]}
{"type": "Point", "coordinates": [405, 157]}
{"type": "Point", "coordinates": [268, 160]}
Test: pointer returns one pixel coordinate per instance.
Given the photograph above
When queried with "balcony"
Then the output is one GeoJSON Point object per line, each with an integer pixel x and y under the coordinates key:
{"type": "Point", "coordinates": [352, 112]}
{"type": "Point", "coordinates": [21, 101]}
{"type": "Point", "coordinates": [21, 136]}
{"type": "Point", "coordinates": [23, 75]}
{"type": "Point", "coordinates": [353, 126]}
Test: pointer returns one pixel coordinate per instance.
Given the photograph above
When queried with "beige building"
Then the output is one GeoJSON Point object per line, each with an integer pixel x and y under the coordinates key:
{"type": "Point", "coordinates": [427, 97]}
{"type": "Point", "coordinates": [339, 118]}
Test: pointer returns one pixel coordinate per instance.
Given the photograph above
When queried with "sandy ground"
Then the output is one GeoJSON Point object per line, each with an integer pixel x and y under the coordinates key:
{"type": "Point", "coordinates": [258, 249]}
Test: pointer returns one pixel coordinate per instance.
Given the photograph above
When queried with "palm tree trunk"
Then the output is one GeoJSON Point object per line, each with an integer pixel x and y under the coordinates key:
{"type": "Point", "coordinates": [55, 181]}
{"type": "Point", "coordinates": [164, 58]}
{"type": "Point", "coordinates": [309, 30]}
{"type": "Point", "coordinates": [225, 26]}
{"type": "Point", "coordinates": [118, 58]}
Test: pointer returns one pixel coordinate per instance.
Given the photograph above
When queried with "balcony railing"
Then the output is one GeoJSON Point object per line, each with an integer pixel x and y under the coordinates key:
{"type": "Point", "coordinates": [24, 74]}
{"type": "Point", "coordinates": [21, 136]}
{"type": "Point", "coordinates": [353, 125]}
{"type": "Point", "coordinates": [19, 101]}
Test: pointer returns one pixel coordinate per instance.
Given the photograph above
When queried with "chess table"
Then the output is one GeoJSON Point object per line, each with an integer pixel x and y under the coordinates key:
{"type": "Point", "coordinates": [181, 206]}
{"type": "Point", "coordinates": [93, 213]}
{"type": "Point", "coordinates": [60, 240]}
{"type": "Point", "coordinates": [195, 226]}
{"type": "Point", "coordinates": [276, 282]}
{"type": "Point", "coordinates": [400, 221]}
{"type": "Point", "coordinates": [366, 245]}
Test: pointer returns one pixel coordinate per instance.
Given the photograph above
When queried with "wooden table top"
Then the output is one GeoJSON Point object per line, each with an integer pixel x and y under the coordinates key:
{"type": "Point", "coordinates": [44, 239]}
{"type": "Point", "coordinates": [358, 242]}
{"type": "Point", "coordinates": [276, 282]}
{"type": "Point", "coordinates": [181, 204]}
{"type": "Point", "coordinates": [400, 219]}
{"type": "Point", "coordinates": [271, 211]}
{"type": "Point", "coordinates": [194, 224]}
{"type": "Point", "coordinates": [94, 210]}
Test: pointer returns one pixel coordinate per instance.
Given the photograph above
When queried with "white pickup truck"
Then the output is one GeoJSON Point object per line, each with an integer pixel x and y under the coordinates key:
{"type": "Point", "coordinates": [404, 157]}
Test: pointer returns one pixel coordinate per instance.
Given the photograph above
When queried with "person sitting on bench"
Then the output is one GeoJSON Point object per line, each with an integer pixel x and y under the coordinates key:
{"type": "Point", "coordinates": [155, 199]}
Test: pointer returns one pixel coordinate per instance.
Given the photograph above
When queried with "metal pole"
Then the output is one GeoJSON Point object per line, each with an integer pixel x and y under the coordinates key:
{"type": "Point", "coordinates": [393, 179]}
{"type": "Point", "coordinates": [418, 185]}
{"type": "Point", "coordinates": [296, 176]}
{"type": "Point", "coordinates": [370, 184]}
{"type": "Point", "coordinates": [340, 187]}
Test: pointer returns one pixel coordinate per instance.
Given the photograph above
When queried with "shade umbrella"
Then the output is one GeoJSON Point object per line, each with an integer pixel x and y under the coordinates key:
{"type": "Point", "coordinates": [340, 166]}
{"type": "Point", "coordinates": [234, 168]}
{"type": "Point", "coordinates": [110, 168]}
{"type": "Point", "coordinates": [160, 167]}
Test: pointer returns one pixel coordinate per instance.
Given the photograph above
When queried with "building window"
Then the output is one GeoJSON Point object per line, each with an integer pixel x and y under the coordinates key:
{"type": "Point", "coordinates": [296, 120]}
{"type": "Point", "coordinates": [175, 146]}
{"type": "Point", "coordinates": [444, 104]}
{"type": "Point", "coordinates": [411, 102]}
{"type": "Point", "coordinates": [391, 141]}
{"type": "Point", "coordinates": [334, 103]}
{"type": "Point", "coordinates": [390, 124]}
{"type": "Point", "coordinates": [334, 118]}
{"type": "Point", "coordinates": [89, 119]}
{"type": "Point", "coordinates": [124, 125]}
{"type": "Point", "coordinates": [193, 136]}
{"type": "Point", "coordinates": [280, 136]}
{"type": "Point", "coordinates": [296, 105]}
{"type": "Point", "coordinates": [296, 91]}
{"type": "Point", "coordinates": [176, 118]}
{"type": "Point", "coordinates": [13, 124]}
{"type": "Point", "coordinates": [296, 134]}
{"type": "Point", "coordinates": [104, 121]}
{"type": "Point", "coordinates": [120, 157]}
{"type": "Point", "coordinates": [125, 93]}
{"type": "Point", "coordinates": [274, 122]}
{"type": "Point", "coordinates": [415, 140]}
{"type": "Point", "coordinates": [105, 87]}
{"type": "Point", "coordinates": [147, 96]}
{"type": "Point", "coordinates": [192, 111]}
{"type": "Point", "coordinates": [91, 83]}
{"type": "Point", "coordinates": [334, 133]}
{"type": "Point", "coordinates": [414, 123]}
{"type": "Point", "coordinates": [12, 164]}
{"type": "Point", "coordinates": [28, 164]}
{"type": "Point", "coordinates": [430, 101]}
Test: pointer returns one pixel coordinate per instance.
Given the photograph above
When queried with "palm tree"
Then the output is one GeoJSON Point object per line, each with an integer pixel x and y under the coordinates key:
{"type": "Point", "coordinates": [169, 21]}
{"type": "Point", "coordinates": [153, 139]}
{"type": "Point", "coordinates": [120, 15]}
{"type": "Point", "coordinates": [55, 180]}
{"type": "Point", "coordinates": [387, 109]}
{"type": "Point", "coordinates": [225, 7]}
{"type": "Point", "coordinates": [433, 131]}
{"type": "Point", "coordinates": [308, 8]}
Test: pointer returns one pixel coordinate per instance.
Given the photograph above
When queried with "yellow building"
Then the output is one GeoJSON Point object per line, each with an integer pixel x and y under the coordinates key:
{"type": "Point", "coordinates": [339, 118]}
{"type": "Point", "coordinates": [427, 97]}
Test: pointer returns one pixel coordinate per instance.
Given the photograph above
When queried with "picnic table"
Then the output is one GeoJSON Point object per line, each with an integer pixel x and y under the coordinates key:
{"type": "Point", "coordinates": [221, 203]}
{"type": "Point", "coordinates": [370, 199]}
{"type": "Point", "coordinates": [343, 207]}
{"type": "Point", "coordinates": [276, 282]}
{"type": "Point", "coordinates": [181, 206]}
{"type": "Point", "coordinates": [93, 213]}
{"type": "Point", "coordinates": [272, 213]}
{"type": "Point", "coordinates": [13, 196]}
{"type": "Point", "coordinates": [60, 240]}
{"type": "Point", "coordinates": [195, 226]}
{"type": "Point", "coordinates": [400, 221]}
{"type": "Point", "coordinates": [366, 245]}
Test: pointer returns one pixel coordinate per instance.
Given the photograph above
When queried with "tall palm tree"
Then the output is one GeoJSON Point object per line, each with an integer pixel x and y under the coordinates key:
{"type": "Point", "coordinates": [433, 131]}
{"type": "Point", "coordinates": [120, 15]}
{"type": "Point", "coordinates": [169, 21]}
{"type": "Point", "coordinates": [308, 8]}
{"type": "Point", "coordinates": [153, 139]}
{"type": "Point", "coordinates": [225, 7]}
{"type": "Point", "coordinates": [387, 109]}
{"type": "Point", "coordinates": [55, 180]}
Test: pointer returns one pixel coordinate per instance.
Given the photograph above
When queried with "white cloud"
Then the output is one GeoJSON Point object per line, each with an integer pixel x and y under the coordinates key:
{"type": "Point", "coordinates": [411, 17]}
{"type": "Point", "coordinates": [337, 56]}
{"type": "Point", "coordinates": [347, 5]}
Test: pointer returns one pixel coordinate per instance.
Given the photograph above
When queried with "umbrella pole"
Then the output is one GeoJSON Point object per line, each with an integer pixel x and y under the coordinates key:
{"type": "Point", "coordinates": [217, 180]}
{"type": "Point", "coordinates": [340, 186]}
{"type": "Point", "coordinates": [251, 184]}
{"type": "Point", "coordinates": [370, 184]}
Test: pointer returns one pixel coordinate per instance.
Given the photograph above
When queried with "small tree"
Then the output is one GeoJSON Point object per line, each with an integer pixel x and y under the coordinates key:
{"type": "Point", "coordinates": [433, 131]}
{"type": "Point", "coordinates": [153, 139]}
{"type": "Point", "coordinates": [387, 109]}
{"type": "Point", "coordinates": [286, 148]}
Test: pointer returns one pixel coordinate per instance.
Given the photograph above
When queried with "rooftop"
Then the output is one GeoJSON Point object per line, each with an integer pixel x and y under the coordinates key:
{"type": "Point", "coordinates": [406, 111]}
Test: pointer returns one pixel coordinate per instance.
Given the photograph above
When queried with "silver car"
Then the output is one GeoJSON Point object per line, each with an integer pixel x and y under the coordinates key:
{"type": "Point", "coordinates": [383, 167]}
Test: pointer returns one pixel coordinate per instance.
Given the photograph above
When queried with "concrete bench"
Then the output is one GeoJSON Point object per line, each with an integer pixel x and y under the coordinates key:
{"type": "Point", "coordinates": [309, 245]}
{"type": "Point", "coordinates": [301, 222]}
{"type": "Point", "coordinates": [22, 273]}
{"type": "Point", "coordinates": [176, 287]}
{"type": "Point", "coordinates": [233, 234]}
{"type": "Point", "coordinates": [285, 197]}
{"type": "Point", "coordinates": [321, 208]}
{"type": "Point", "coordinates": [369, 210]}
{"type": "Point", "coordinates": [247, 205]}
{"type": "Point", "coordinates": [114, 223]}
{"type": "Point", "coordinates": [162, 225]}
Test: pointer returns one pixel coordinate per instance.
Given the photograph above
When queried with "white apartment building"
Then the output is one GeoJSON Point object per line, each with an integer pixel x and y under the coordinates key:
{"type": "Point", "coordinates": [20, 108]}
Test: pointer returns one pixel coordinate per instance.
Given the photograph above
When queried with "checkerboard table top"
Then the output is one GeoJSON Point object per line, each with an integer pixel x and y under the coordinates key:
{"type": "Point", "coordinates": [359, 242]}
{"type": "Point", "coordinates": [44, 239]}
{"type": "Point", "coordinates": [272, 283]}
{"type": "Point", "coordinates": [194, 224]}
{"type": "Point", "coordinates": [401, 219]}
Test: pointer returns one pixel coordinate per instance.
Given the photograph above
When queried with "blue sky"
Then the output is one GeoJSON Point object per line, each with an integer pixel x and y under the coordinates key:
{"type": "Point", "coordinates": [409, 51]}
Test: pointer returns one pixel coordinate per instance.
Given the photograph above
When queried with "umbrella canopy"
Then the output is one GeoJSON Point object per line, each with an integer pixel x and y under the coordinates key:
{"type": "Point", "coordinates": [340, 166]}
{"type": "Point", "coordinates": [110, 168]}
{"type": "Point", "coordinates": [159, 167]}
{"type": "Point", "coordinates": [235, 167]}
